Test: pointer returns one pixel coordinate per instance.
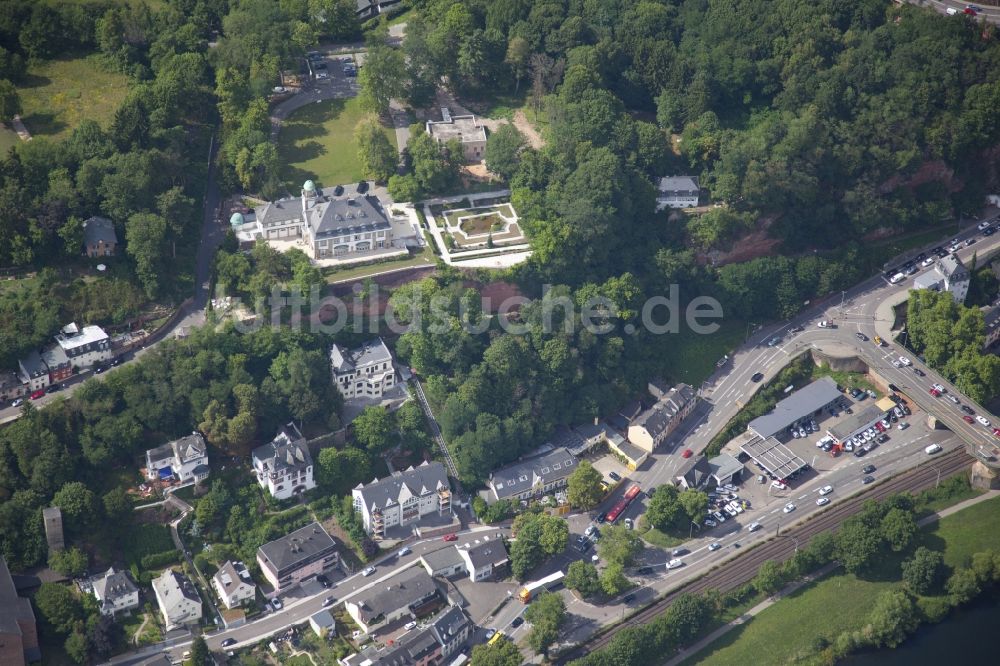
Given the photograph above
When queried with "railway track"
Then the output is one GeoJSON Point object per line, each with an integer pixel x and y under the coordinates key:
{"type": "Point", "coordinates": [743, 568]}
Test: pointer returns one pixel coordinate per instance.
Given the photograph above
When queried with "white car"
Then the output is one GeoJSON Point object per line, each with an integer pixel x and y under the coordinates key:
{"type": "Point", "coordinates": [628, 523]}
{"type": "Point", "coordinates": [779, 485]}
{"type": "Point", "coordinates": [404, 551]}
{"type": "Point", "coordinates": [939, 388]}
{"type": "Point", "coordinates": [714, 546]}
{"type": "Point", "coordinates": [826, 490]}
{"type": "Point", "coordinates": [730, 510]}
{"type": "Point", "coordinates": [903, 425]}
{"type": "Point", "coordinates": [822, 501]}
{"type": "Point", "coordinates": [897, 278]}
{"type": "Point", "coordinates": [927, 262]}
{"type": "Point", "coordinates": [753, 527]}
{"type": "Point", "coordinates": [904, 360]}
{"type": "Point", "coordinates": [368, 572]}
{"type": "Point", "coordinates": [410, 625]}
{"type": "Point", "coordinates": [826, 323]}
{"type": "Point", "coordinates": [736, 506]}
{"type": "Point", "coordinates": [675, 563]}
{"type": "Point", "coordinates": [985, 421]}
{"type": "Point", "coordinates": [788, 508]}
{"type": "Point", "coordinates": [983, 226]}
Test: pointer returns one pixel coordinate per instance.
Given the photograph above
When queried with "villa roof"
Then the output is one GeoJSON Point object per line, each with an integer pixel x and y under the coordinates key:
{"type": "Point", "coordinates": [428, 477]}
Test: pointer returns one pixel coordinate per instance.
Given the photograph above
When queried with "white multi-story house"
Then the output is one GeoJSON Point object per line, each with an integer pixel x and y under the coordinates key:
{"type": "Point", "coordinates": [365, 372]}
{"type": "Point", "coordinates": [85, 347]}
{"type": "Point", "coordinates": [284, 466]}
{"type": "Point", "coordinates": [403, 498]}
{"type": "Point", "coordinates": [33, 371]}
{"type": "Point", "coordinates": [655, 424]}
{"type": "Point", "coordinates": [185, 459]}
{"type": "Point", "coordinates": [468, 131]}
{"type": "Point", "coordinates": [677, 192]}
{"type": "Point", "coordinates": [304, 553]}
{"type": "Point", "coordinates": [115, 592]}
{"type": "Point", "coordinates": [483, 558]}
{"type": "Point", "coordinates": [452, 629]}
{"type": "Point", "coordinates": [233, 584]}
{"type": "Point", "coordinates": [330, 222]}
{"type": "Point", "coordinates": [948, 274]}
{"type": "Point", "coordinates": [179, 602]}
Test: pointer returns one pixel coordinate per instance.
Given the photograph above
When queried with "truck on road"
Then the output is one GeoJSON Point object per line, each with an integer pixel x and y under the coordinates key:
{"type": "Point", "coordinates": [550, 582]}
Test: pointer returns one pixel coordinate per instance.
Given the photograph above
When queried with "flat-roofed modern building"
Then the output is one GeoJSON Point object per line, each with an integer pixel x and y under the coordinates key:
{"type": "Point", "coordinates": [306, 552]}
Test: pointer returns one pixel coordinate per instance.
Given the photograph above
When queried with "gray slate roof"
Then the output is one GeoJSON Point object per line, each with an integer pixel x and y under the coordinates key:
{"type": "Point", "coordinates": [411, 587]}
{"type": "Point", "coordinates": [444, 558]}
{"type": "Point", "coordinates": [725, 466]}
{"type": "Point", "coordinates": [695, 471]}
{"type": "Point", "coordinates": [33, 364]}
{"type": "Point", "coordinates": [288, 449]}
{"type": "Point", "coordinates": [276, 212]}
{"type": "Point", "coordinates": [541, 470]}
{"type": "Point", "coordinates": [657, 418]}
{"type": "Point", "coordinates": [99, 229]}
{"type": "Point", "coordinates": [174, 587]}
{"type": "Point", "coordinates": [373, 351]}
{"type": "Point", "coordinates": [12, 607]}
{"type": "Point", "coordinates": [338, 216]}
{"type": "Point", "coordinates": [798, 405]}
{"type": "Point", "coordinates": [450, 624]}
{"type": "Point", "coordinates": [298, 546]}
{"type": "Point", "coordinates": [114, 585]}
{"type": "Point", "coordinates": [671, 185]}
{"type": "Point", "coordinates": [487, 553]}
{"type": "Point", "coordinates": [426, 478]}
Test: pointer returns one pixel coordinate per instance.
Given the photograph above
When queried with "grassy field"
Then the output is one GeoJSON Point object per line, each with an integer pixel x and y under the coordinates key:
{"type": "Point", "coordinates": [838, 603]}
{"type": "Point", "coordinates": [8, 139]}
{"type": "Point", "coordinates": [317, 142]}
{"type": "Point", "coordinates": [691, 357]}
{"type": "Point", "coordinates": [58, 94]}
{"type": "Point", "coordinates": [423, 258]}
{"type": "Point", "coordinates": [146, 539]}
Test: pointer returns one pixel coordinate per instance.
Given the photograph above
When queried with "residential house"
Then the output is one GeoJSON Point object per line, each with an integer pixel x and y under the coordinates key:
{"type": "Point", "coordinates": [304, 553]}
{"type": "Point", "coordinates": [178, 600]}
{"type": "Point", "coordinates": [365, 372]}
{"type": "Point", "coordinates": [233, 584]}
{"type": "Point", "coordinates": [452, 629]}
{"type": "Point", "coordinates": [330, 222]}
{"type": "Point", "coordinates": [403, 498]}
{"type": "Point", "coordinates": [33, 371]}
{"type": "Point", "coordinates": [184, 459]}
{"type": "Point", "coordinates": [99, 238]}
{"type": "Point", "coordinates": [655, 424]}
{"type": "Point", "coordinates": [483, 559]}
{"type": "Point", "coordinates": [18, 629]}
{"type": "Point", "coordinates": [469, 132]}
{"type": "Point", "coordinates": [58, 363]}
{"type": "Point", "coordinates": [11, 386]}
{"type": "Point", "coordinates": [84, 347]}
{"type": "Point", "coordinates": [443, 563]}
{"type": "Point", "coordinates": [322, 623]}
{"type": "Point", "coordinates": [284, 467]}
{"type": "Point", "coordinates": [115, 592]}
{"type": "Point", "coordinates": [532, 477]}
{"type": "Point", "coordinates": [991, 320]}
{"type": "Point", "coordinates": [677, 192]}
{"type": "Point", "coordinates": [694, 473]}
{"type": "Point", "coordinates": [367, 9]}
{"type": "Point", "coordinates": [402, 595]}
{"type": "Point", "coordinates": [948, 274]}
{"type": "Point", "coordinates": [419, 647]}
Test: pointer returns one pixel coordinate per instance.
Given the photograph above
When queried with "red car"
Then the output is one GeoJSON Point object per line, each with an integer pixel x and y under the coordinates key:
{"type": "Point", "coordinates": [996, 431]}
{"type": "Point", "coordinates": [968, 419]}
{"type": "Point", "coordinates": [934, 392]}
{"type": "Point", "coordinates": [38, 394]}
{"type": "Point", "coordinates": [687, 453]}
{"type": "Point", "coordinates": [451, 537]}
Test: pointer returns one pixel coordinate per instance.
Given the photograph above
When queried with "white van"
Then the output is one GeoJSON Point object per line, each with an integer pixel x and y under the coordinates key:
{"type": "Point", "coordinates": [951, 11]}
{"type": "Point", "coordinates": [932, 449]}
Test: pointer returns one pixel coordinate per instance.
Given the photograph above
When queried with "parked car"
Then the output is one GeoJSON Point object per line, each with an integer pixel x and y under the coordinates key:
{"type": "Point", "coordinates": [324, 581]}
{"type": "Point", "coordinates": [615, 476]}
{"type": "Point", "coordinates": [601, 517]}
{"type": "Point", "coordinates": [410, 625]}
{"type": "Point", "coordinates": [628, 523]}
{"type": "Point", "coordinates": [276, 603]}
{"type": "Point", "coordinates": [368, 572]}
{"type": "Point", "coordinates": [897, 278]}
{"type": "Point", "coordinates": [517, 622]}
{"type": "Point", "coordinates": [17, 402]}
{"type": "Point", "coordinates": [628, 598]}
{"type": "Point", "coordinates": [710, 523]}
{"type": "Point", "coordinates": [37, 394]}
{"type": "Point", "coordinates": [451, 537]}
{"type": "Point", "coordinates": [329, 601]}
{"type": "Point", "coordinates": [226, 643]}
{"type": "Point", "coordinates": [779, 485]}
{"type": "Point", "coordinates": [405, 550]}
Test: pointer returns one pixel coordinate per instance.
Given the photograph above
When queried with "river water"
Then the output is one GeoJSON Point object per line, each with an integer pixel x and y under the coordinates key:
{"type": "Point", "coordinates": [965, 637]}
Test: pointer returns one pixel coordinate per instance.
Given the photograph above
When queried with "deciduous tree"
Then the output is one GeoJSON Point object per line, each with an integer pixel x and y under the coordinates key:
{"type": "Point", "coordinates": [378, 156]}
{"type": "Point", "coordinates": [584, 486]}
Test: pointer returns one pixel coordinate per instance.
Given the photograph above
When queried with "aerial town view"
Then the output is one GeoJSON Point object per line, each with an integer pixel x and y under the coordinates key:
{"type": "Point", "coordinates": [499, 332]}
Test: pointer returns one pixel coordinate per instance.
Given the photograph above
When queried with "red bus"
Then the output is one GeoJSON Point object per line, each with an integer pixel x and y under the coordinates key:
{"type": "Point", "coordinates": [622, 504]}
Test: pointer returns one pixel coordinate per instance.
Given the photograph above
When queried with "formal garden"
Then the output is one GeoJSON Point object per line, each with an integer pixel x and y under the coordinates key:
{"type": "Point", "coordinates": [492, 225]}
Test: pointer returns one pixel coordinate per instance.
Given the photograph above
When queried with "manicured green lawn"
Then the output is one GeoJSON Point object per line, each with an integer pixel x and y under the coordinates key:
{"type": "Point", "coordinates": [692, 357]}
{"type": "Point", "coordinates": [839, 602]}
{"type": "Point", "coordinates": [317, 142]}
{"type": "Point", "coordinates": [423, 258]}
{"type": "Point", "coordinates": [8, 139]}
{"type": "Point", "coordinates": [58, 94]}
